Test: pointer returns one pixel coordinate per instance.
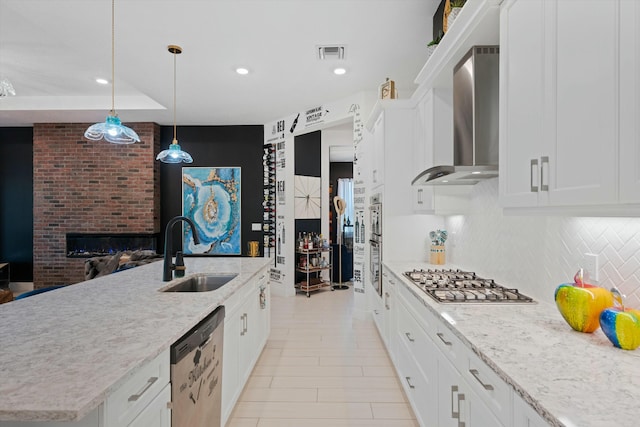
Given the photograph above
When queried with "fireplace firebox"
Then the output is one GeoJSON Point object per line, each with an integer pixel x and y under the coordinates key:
{"type": "Point", "coordinates": [86, 245]}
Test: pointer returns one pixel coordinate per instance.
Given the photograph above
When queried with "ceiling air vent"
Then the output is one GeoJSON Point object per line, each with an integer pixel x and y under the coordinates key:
{"type": "Point", "coordinates": [331, 52]}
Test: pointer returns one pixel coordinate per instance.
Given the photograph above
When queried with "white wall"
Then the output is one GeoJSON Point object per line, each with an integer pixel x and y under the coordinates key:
{"type": "Point", "coordinates": [537, 253]}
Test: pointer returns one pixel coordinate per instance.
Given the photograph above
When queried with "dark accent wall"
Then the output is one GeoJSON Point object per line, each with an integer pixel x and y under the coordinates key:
{"type": "Point", "coordinates": [307, 154]}
{"type": "Point", "coordinates": [220, 146]}
{"type": "Point", "coordinates": [308, 150]}
{"type": "Point", "coordinates": [16, 202]}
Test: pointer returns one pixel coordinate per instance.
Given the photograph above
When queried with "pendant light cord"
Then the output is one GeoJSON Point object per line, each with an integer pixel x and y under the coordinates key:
{"type": "Point", "coordinates": [175, 139]}
{"type": "Point", "coordinates": [113, 58]}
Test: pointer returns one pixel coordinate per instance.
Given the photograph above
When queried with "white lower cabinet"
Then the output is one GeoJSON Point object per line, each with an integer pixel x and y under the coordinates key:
{"type": "Point", "coordinates": [524, 415]}
{"type": "Point", "coordinates": [458, 403]}
{"type": "Point", "coordinates": [156, 414]}
{"type": "Point", "coordinates": [246, 329]}
{"type": "Point", "coordinates": [142, 400]}
{"type": "Point", "coordinates": [445, 382]}
{"type": "Point", "coordinates": [417, 367]}
{"type": "Point", "coordinates": [138, 392]}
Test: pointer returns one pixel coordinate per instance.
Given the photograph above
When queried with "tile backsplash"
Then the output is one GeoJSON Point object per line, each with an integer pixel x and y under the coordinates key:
{"type": "Point", "coordinates": [537, 253]}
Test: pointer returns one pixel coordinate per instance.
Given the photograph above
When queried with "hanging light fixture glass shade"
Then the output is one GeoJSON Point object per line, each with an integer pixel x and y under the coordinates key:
{"type": "Point", "coordinates": [6, 88]}
{"type": "Point", "coordinates": [112, 130]}
{"type": "Point", "coordinates": [174, 153]}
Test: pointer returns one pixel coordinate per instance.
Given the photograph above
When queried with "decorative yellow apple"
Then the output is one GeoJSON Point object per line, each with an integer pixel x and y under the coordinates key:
{"type": "Point", "coordinates": [581, 305]}
{"type": "Point", "coordinates": [622, 327]}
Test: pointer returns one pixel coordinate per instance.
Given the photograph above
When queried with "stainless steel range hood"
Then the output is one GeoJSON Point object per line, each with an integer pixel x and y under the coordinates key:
{"type": "Point", "coordinates": [475, 122]}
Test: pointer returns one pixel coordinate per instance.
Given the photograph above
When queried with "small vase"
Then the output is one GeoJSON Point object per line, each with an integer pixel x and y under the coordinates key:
{"type": "Point", "coordinates": [452, 16]}
{"type": "Point", "coordinates": [437, 255]}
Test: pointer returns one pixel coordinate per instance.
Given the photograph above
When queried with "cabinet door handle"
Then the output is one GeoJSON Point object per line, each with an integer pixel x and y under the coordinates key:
{"type": "Point", "coordinates": [460, 399]}
{"type": "Point", "coordinates": [534, 167]}
{"type": "Point", "coordinates": [408, 379]}
{"type": "Point", "coordinates": [455, 414]}
{"type": "Point", "coordinates": [544, 161]}
{"type": "Point", "coordinates": [408, 334]}
{"type": "Point", "coordinates": [376, 312]}
{"type": "Point", "coordinates": [441, 336]}
{"type": "Point", "coordinates": [146, 387]}
{"type": "Point", "coordinates": [420, 196]}
{"type": "Point", "coordinates": [476, 375]}
{"type": "Point", "coordinates": [246, 323]}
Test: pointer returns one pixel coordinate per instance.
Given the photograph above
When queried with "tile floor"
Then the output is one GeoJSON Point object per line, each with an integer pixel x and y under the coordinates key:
{"type": "Point", "coordinates": [321, 367]}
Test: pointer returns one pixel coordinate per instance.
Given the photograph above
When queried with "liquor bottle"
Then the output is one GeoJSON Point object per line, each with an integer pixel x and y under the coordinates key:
{"type": "Point", "coordinates": [357, 230]}
{"type": "Point", "coordinates": [362, 230]}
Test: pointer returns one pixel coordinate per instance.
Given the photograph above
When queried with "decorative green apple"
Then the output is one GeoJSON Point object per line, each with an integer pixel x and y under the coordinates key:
{"type": "Point", "coordinates": [581, 304]}
{"type": "Point", "coordinates": [621, 326]}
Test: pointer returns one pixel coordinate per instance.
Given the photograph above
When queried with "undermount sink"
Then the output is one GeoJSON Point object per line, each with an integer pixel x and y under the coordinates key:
{"type": "Point", "coordinates": [202, 283]}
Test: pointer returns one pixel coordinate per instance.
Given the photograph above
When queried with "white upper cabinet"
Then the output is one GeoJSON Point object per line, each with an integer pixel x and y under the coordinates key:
{"type": "Point", "coordinates": [522, 140]}
{"type": "Point", "coordinates": [392, 126]}
{"type": "Point", "coordinates": [629, 102]}
{"type": "Point", "coordinates": [559, 103]}
{"type": "Point", "coordinates": [433, 142]}
{"type": "Point", "coordinates": [583, 108]}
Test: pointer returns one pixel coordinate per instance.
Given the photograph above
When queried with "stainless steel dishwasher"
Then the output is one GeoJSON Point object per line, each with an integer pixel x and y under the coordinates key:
{"type": "Point", "coordinates": [196, 374]}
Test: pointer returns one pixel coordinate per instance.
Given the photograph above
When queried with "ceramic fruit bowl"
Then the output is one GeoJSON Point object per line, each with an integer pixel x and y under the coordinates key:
{"type": "Point", "coordinates": [581, 305]}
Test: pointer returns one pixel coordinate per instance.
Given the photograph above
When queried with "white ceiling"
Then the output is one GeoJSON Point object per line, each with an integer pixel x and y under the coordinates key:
{"type": "Point", "coordinates": [52, 51]}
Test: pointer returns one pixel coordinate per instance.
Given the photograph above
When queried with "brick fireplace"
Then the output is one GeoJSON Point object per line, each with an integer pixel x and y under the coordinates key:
{"type": "Point", "coordinates": [83, 186]}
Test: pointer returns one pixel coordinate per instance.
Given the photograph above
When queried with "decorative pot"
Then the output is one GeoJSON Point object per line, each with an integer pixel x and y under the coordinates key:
{"type": "Point", "coordinates": [452, 16]}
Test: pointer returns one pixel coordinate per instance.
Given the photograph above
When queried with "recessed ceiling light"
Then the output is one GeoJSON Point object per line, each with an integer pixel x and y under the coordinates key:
{"type": "Point", "coordinates": [339, 71]}
{"type": "Point", "coordinates": [102, 81]}
{"type": "Point", "coordinates": [242, 71]}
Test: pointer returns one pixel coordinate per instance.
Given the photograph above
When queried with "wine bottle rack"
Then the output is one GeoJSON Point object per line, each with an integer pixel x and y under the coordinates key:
{"type": "Point", "coordinates": [269, 202]}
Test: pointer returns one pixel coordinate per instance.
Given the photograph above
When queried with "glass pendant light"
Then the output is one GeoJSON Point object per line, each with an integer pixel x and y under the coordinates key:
{"type": "Point", "coordinates": [174, 153]}
{"type": "Point", "coordinates": [112, 130]}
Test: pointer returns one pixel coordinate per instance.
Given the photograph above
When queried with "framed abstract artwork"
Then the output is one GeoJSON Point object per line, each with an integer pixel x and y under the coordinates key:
{"type": "Point", "coordinates": [211, 199]}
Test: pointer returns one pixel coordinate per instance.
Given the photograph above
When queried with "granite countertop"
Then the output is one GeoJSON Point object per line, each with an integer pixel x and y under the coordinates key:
{"type": "Point", "coordinates": [572, 379]}
{"type": "Point", "coordinates": [64, 351]}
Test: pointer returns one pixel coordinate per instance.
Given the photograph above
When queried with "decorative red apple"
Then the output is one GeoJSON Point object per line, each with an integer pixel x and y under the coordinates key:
{"type": "Point", "coordinates": [580, 303]}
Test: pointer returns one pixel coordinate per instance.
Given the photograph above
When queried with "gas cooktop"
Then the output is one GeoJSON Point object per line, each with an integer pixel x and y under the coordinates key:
{"type": "Point", "coordinates": [456, 286]}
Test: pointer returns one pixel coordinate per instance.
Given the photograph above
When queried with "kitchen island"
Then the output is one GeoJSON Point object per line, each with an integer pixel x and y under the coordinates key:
{"type": "Point", "coordinates": [66, 351]}
{"type": "Point", "coordinates": [568, 378]}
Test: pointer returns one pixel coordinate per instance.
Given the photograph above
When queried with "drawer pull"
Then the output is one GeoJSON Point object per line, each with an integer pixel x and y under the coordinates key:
{"type": "Point", "coordinates": [149, 383]}
{"type": "Point", "coordinates": [441, 336]}
{"type": "Point", "coordinates": [476, 375]}
{"type": "Point", "coordinates": [408, 334]}
{"type": "Point", "coordinates": [456, 414]}
{"type": "Point", "coordinates": [408, 379]}
{"type": "Point", "coordinates": [544, 161]}
{"type": "Point", "coordinates": [376, 312]}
